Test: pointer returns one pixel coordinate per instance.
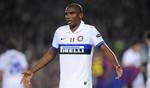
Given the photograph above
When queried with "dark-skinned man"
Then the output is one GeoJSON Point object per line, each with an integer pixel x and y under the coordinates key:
{"type": "Point", "coordinates": [75, 43]}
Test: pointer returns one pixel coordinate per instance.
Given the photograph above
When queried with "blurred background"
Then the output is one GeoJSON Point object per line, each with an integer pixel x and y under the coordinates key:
{"type": "Point", "coordinates": [33, 23]}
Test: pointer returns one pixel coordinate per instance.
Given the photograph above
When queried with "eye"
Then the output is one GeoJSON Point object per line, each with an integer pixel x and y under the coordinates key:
{"type": "Point", "coordinates": [66, 13]}
{"type": "Point", "coordinates": [71, 13]}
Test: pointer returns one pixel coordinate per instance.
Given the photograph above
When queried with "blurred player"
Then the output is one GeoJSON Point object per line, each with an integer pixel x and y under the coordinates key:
{"type": "Point", "coordinates": [148, 63]}
{"type": "Point", "coordinates": [132, 54]}
{"type": "Point", "coordinates": [132, 62]}
{"type": "Point", "coordinates": [75, 43]}
{"type": "Point", "coordinates": [12, 63]}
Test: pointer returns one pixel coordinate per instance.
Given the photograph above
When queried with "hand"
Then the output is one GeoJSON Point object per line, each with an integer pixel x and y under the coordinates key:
{"type": "Point", "coordinates": [26, 78]}
{"type": "Point", "coordinates": [119, 72]}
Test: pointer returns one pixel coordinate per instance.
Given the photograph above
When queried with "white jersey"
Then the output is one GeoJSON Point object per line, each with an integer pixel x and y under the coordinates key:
{"type": "Point", "coordinates": [12, 62]}
{"type": "Point", "coordinates": [76, 50]}
{"type": "Point", "coordinates": [131, 58]}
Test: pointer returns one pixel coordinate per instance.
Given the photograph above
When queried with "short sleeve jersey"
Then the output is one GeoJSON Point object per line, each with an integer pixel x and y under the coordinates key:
{"type": "Point", "coordinates": [12, 62]}
{"type": "Point", "coordinates": [76, 50]}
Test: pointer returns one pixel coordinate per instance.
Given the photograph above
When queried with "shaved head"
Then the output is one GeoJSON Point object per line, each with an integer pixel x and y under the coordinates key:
{"type": "Point", "coordinates": [77, 6]}
{"type": "Point", "coordinates": [73, 15]}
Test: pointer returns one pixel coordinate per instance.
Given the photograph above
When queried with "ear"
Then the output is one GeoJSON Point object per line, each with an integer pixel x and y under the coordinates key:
{"type": "Point", "coordinates": [81, 15]}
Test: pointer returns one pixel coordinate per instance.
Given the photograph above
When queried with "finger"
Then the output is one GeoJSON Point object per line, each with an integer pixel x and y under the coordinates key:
{"type": "Point", "coordinates": [26, 84]}
{"type": "Point", "coordinates": [117, 78]}
{"type": "Point", "coordinates": [24, 72]}
{"type": "Point", "coordinates": [27, 81]}
{"type": "Point", "coordinates": [21, 81]}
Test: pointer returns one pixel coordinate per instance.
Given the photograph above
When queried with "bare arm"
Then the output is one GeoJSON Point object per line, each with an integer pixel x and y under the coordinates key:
{"type": "Point", "coordinates": [112, 57]}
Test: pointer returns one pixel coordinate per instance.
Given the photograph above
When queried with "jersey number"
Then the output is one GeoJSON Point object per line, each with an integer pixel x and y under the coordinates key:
{"type": "Point", "coordinates": [15, 68]}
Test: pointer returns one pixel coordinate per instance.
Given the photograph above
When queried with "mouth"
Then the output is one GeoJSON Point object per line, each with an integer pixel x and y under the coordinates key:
{"type": "Point", "coordinates": [69, 21]}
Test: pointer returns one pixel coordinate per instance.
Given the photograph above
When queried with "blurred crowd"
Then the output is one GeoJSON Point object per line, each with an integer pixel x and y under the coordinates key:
{"type": "Point", "coordinates": [33, 23]}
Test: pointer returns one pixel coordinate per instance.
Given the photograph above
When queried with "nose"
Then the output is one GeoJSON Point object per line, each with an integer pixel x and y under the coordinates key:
{"type": "Point", "coordinates": [67, 16]}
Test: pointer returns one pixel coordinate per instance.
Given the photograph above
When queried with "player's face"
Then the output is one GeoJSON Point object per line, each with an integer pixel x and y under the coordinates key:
{"type": "Point", "coordinates": [137, 47]}
{"type": "Point", "coordinates": [73, 16]}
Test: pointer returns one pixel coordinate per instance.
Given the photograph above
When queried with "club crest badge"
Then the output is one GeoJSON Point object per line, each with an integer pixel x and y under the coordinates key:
{"type": "Point", "coordinates": [80, 38]}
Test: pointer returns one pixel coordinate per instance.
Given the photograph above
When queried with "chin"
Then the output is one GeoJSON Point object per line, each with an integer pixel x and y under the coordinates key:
{"type": "Point", "coordinates": [72, 25]}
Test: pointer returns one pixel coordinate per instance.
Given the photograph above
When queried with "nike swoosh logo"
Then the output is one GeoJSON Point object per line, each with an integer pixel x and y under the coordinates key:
{"type": "Point", "coordinates": [62, 38]}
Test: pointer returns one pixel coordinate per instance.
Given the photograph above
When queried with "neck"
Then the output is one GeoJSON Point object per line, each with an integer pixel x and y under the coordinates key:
{"type": "Point", "coordinates": [73, 29]}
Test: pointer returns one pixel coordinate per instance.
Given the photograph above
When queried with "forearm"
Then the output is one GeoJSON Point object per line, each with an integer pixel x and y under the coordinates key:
{"type": "Point", "coordinates": [110, 55]}
{"type": "Point", "coordinates": [49, 56]}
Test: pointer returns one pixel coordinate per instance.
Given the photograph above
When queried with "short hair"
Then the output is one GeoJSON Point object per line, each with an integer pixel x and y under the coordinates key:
{"type": "Point", "coordinates": [11, 43]}
{"type": "Point", "coordinates": [76, 5]}
{"type": "Point", "coordinates": [134, 42]}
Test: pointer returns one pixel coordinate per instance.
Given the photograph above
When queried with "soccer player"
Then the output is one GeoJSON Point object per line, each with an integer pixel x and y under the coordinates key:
{"type": "Point", "coordinates": [74, 42]}
{"type": "Point", "coordinates": [12, 63]}
{"type": "Point", "coordinates": [131, 68]}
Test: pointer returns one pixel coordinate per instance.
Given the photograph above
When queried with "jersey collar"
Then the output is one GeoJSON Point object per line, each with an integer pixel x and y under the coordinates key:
{"type": "Point", "coordinates": [79, 28]}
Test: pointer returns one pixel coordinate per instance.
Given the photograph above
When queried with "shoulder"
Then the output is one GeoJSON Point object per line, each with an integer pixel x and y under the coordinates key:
{"type": "Point", "coordinates": [19, 53]}
{"type": "Point", "coordinates": [62, 28]}
{"type": "Point", "coordinates": [128, 52]}
{"type": "Point", "coordinates": [91, 29]}
{"type": "Point", "coordinates": [2, 56]}
{"type": "Point", "coordinates": [89, 26]}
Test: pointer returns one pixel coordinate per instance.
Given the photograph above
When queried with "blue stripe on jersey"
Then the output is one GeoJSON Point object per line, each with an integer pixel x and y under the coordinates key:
{"type": "Point", "coordinates": [86, 46]}
{"type": "Point", "coordinates": [54, 48]}
{"type": "Point", "coordinates": [99, 44]}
